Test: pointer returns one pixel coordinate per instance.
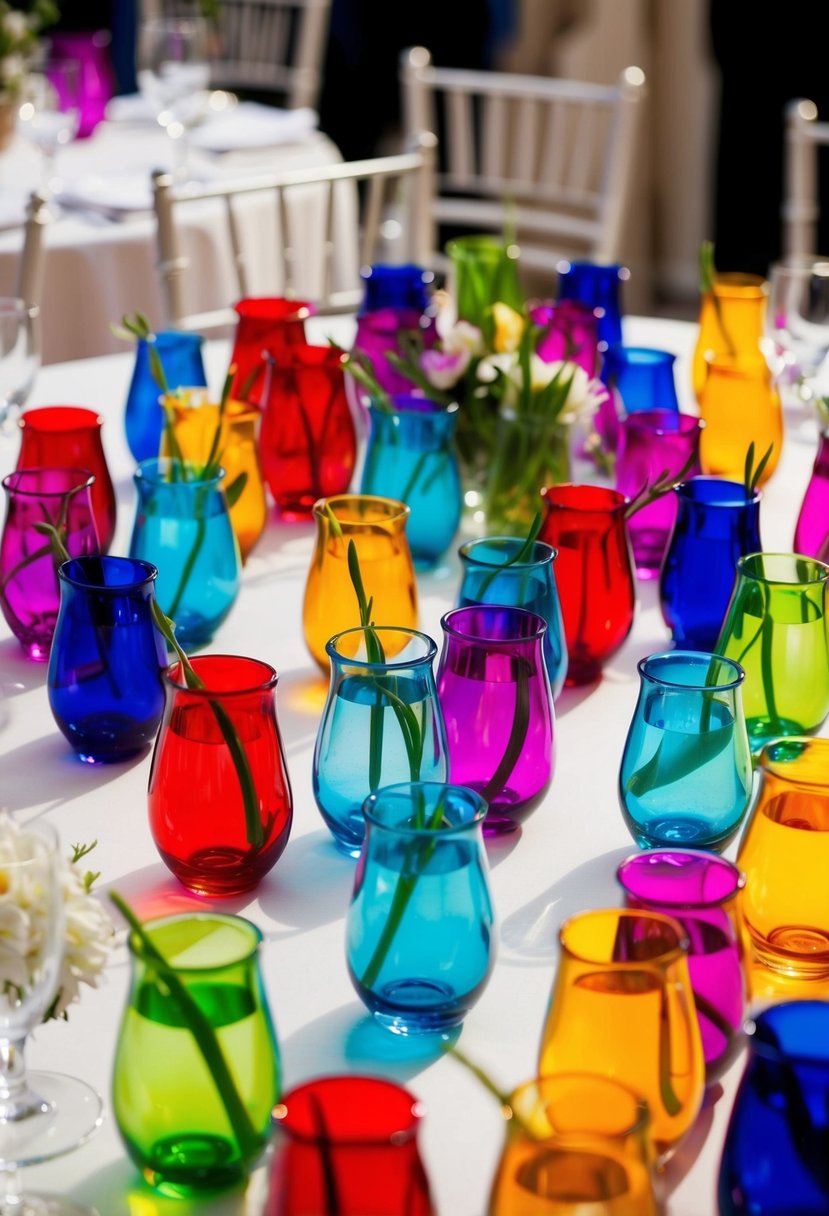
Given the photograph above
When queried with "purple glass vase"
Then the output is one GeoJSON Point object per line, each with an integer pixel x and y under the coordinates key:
{"type": "Point", "coordinates": [382, 332]}
{"type": "Point", "coordinates": [653, 443]}
{"type": "Point", "coordinates": [811, 534]}
{"type": "Point", "coordinates": [701, 891]}
{"type": "Point", "coordinates": [29, 587]}
{"type": "Point", "coordinates": [571, 332]}
{"type": "Point", "coordinates": [497, 707]}
{"type": "Point", "coordinates": [90, 49]}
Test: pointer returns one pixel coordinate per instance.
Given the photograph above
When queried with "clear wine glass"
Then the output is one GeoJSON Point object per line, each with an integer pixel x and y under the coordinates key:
{"type": "Point", "coordinates": [42, 1114]}
{"type": "Point", "coordinates": [49, 113]}
{"type": "Point", "coordinates": [174, 76]}
{"type": "Point", "coordinates": [19, 355]}
{"type": "Point", "coordinates": [797, 328]}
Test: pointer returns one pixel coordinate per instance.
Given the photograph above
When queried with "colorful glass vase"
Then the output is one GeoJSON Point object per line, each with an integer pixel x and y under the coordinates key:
{"type": "Point", "coordinates": [348, 1145]}
{"type": "Point", "coordinates": [594, 573]}
{"type": "Point", "coordinates": [740, 405]}
{"type": "Point", "coordinates": [717, 522]}
{"type": "Point", "coordinates": [384, 332]}
{"type": "Point", "coordinates": [182, 526]}
{"type": "Point", "coordinates": [266, 323]}
{"type": "Point", "coordinates": [196, 1072]}
{"type": "Point", "coordinates": [686, 775]}
{"type": "Point", "coordinates": [599, 285]}
{"type": "Point", "coordinates": [104, 680]}
{"type": "Point", "coordinates": [642, 377]}
{"type": "Point", "coordinates": [29, 588]}
{"type": "Point", "coordinates": [482, 269]}
{"type": "Point", "coordinates": [410, 456]}
{"type": "Point", "coordinates": [776, 629]}
{"type": "Point", "coordinates": [575, 1144]}
{"type": "Point", "coordinates": [219, 796]}
{"type": "Point", "coordinates": [308, 442]}
{"type": "Point", "coordinates": [401, 285]}
{"type": "Point", "coordinates": [491, 574]}
{"type": "Point", "coordinates": [731, 322]}
{"type": "Point", "coordinates": [378, 528]}
{"type": "Point", "coordinates": [701, 891]}
{"type": "Point", "coordinates": [381, 724]}
{"type": "Point", "coordinates": [570, 332]}
{"type": "Point", "coordinates": [497, 707]}
{"type": "Point", "coordinates": [420, 928]}
{"type": "Point", "coordinates": [90, 50]}
{"type": "Point", "coordinates": [181, 357]}
{"type": "Point", "coordinates": [653, 444]}
{"type": "Point", "coordinates": [784, 853]}
{"type": "Point", "coordinates": [622, 1006]}
{"type": "Point", "coordinates": [774, 1157]}
{"type": "Point", "coordinates": [59, 436]}
{"type": "Point", "coordinates": [811, 534]}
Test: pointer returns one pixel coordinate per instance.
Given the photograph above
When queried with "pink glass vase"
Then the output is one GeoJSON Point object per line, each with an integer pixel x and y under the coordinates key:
{"type": "Point", "coordinates": [571, 332]}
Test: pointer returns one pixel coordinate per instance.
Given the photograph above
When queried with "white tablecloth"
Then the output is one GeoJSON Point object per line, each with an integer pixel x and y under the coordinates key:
{"type": "Point", "coordinates": [561, 862]}
{"type": "Point", "coordinates": [100, 261]}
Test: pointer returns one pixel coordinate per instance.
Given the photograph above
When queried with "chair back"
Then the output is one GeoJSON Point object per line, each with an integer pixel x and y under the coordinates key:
{"type": "Point", "coordinates": [804, 136]}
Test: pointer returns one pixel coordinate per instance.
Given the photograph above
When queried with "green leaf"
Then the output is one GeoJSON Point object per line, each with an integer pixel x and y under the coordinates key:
{"type": "Point", "coordinates": [236, 489]}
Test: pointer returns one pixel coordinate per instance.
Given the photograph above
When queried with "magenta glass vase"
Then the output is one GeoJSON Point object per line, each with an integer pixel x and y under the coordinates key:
{"type": "Point", "coordinates": [570, 332]}
{"type": "Point", "coordinates": [497, 707]}
{"type": "Point", "coordinates": [811, 534]}
{"type": "Point", "coordinates": [653, 443]}
{"type": "Point", "coordinates": [90, 49]}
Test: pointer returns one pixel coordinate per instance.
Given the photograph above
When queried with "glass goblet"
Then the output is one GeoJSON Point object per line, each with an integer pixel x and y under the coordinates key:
{"type": "Point", "coordinates": [174, 76]}
{"type": "Point", "coordinates": [797, 323]}
{"type": "Point", "coordinates": [19, 355]}
{"type": "Point", "coordinates": [49, 113]}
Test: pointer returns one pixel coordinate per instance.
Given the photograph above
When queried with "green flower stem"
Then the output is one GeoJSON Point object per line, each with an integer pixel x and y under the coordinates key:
{"type": "Point", "coordinates": [518, 733]}
{"type": "Point", "coordinates": [664, 482]}
{"type": "Point", "coordinates": [519, 556]}
{"type": "Point", "coordinates": [504, 1100]}
{"type": "Point", "coordinates": [168, 983]}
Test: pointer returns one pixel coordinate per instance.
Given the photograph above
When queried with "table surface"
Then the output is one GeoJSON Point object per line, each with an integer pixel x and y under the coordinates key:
{"type": "Point", "coordinates": [562, 861]}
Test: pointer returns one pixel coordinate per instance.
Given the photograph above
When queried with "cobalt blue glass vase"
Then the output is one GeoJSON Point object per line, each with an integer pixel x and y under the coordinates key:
{"type": "Point", "coordinates": [410, 457]}
{"type": "Point", "coordinates": [406, 285]}
{"type": "Point", "coordinates": [104, 679]}
{"type": "Point", "coordinates": [420, 929]}
{"type": "Point", "coordinates": [642, 377]}
{"type": "Point", "coordinates": [775, 1160]}
{"type": "Point", "coordinates": [381, 724]}
{"type": "Point", "coordinates": [716, 523]}
{"type": "Point", "coordinates": [181, 357]}
{"type": "Point", "coordinates": [598, 286]}
{"type": "Point", "coordinates": [183, 527]}
{"type": "Point", "coordinates": [490, 574]}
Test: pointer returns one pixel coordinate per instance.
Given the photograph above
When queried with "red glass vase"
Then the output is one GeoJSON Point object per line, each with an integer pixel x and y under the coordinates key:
{"type": "Point", "coordinates": [64, 436]}
{"type": "Point", "coordinates": [265, 323]}
{"type": "Point", "coordinates": [220, 802]}
{"type": "Point", "coordinates": [308, 443]}
{"type": "Point", "coordinates": [594, 573]}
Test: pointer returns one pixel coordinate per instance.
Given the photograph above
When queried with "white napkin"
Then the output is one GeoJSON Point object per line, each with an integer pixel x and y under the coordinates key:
{"type": "Point", "coordinates": [251, 125]}
{"type": "Point", "coordinates": [130, 108]}
{"type": "Point", "coordinates": [117, 195]}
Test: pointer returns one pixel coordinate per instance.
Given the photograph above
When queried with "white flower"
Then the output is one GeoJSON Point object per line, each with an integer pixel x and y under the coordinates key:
{"type": "Point", "coordinates": [464, 338]}
{"type": "Point", "coordinates": [15, 26]}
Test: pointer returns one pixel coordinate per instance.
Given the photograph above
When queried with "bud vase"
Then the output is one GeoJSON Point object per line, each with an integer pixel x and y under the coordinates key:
{"type": "Point", "coordinates": [404, 285]}
{"type": "Point", "coordinates": [641, 377]}
{"type": "Point", "coordinates": [812, 529]}
{"type": "Point", "coordinates": [381, 333]}
{"type": "Point", "coordinates": [219, 796]}
{"type": "Point", "coordinates": [196, 1072]}
{"type": "Point", "coordinates": [739, 405]}
{"type": "Point", "coordinates": [410, 456]}
{"type": "Point", "coordinates": [497, 707]}
{"type": "Point", "coordinates": [417, 967]}
{"type": "Point", "coordinates": [104, 681]}
{"type": "Point", "coordinates": [731, 322]}
{"type": "Point", "coordinates": [266, 323]}
{"type": "Point", "coordinates": [181, 357]}
{"type": "Point", "coordinates": [530, 452]}
{"type": "Point", "coordinates": [381, 724]}
{"type": "Point", "coordinates": [29, 587]}
{"type": "Point", "coordinates": [599, 285]}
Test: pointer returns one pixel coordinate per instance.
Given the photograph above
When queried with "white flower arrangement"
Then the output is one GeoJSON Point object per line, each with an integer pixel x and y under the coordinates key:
{"type": "Point", "coordinates": [88, 929]}
{"type": "Point", "coordinates": [19, 33]}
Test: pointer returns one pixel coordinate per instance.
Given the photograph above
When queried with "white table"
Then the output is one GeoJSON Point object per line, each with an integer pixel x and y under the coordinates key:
{"type": "Point", "coordinates": [101, 265]}
{"type": "Point", "coordinates": [563, 861]}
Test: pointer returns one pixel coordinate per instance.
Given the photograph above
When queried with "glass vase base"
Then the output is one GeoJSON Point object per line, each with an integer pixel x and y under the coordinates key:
{"type": "Point", "coordinates": [684, 831]}
{"type": "Point", "coordinates": [799, 951]}
{"type": "Point", "coordinates": [106, 740]}
{"type": "Point", "coordinates": [395, 1007]}
{"type": "Point", "coordinates": [193, 1164]}
{"type": "Point", "coordinates": [73, 1114]}
{"type": "Point", "coordinates": [37, 652]}
{"type": "Point", "coordinates": [763, 730]}
{"type": "Point", "coordinates": [220, 872]}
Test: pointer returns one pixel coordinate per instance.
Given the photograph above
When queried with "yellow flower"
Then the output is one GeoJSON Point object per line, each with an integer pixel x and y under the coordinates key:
{"type": "Point", "coordinates": [509, 326]}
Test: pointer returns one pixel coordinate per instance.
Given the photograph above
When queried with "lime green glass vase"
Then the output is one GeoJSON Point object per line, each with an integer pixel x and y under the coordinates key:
{"type": "Point", "coordinates": [196, 1071]}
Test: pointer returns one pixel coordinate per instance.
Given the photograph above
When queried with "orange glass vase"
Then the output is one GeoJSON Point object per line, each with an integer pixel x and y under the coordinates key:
{"type": "Point", "coordinates": [378, 528]}
{"type": "Point", "coordinates": [740, 405]}
{"type": "Point", "coordinates": [731, 320]}
{"type": "Point", "coordinates": [195, 418]}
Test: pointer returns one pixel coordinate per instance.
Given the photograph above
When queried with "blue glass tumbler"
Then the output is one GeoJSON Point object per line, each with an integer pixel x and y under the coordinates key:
{"type": "Point", "coordinates": [403, 285]}
{"type": "Point", "coordinates": [775, 1160]}
{"type": "Point", "coordinates": [600, 287]}
{"type": "Point", "coordinates": [181, 357]}
{"type": "Point", "coordinates": [686, 776]}
{"type": "Point", "coordinates": [642, 377]}
{"type": "Point", "coordinates": [381, 724]}
{"type": "Point", "coordinates": [490, 574]}
{"type": "Point", "coordinates": [182, 525]}
{"type": "Point", "coordinates": [716, 523]}
{"type": "Point", "coordinates": [410, 457]}
{"type": "Point", "coordinates": [104, 679]}
{"type": "Point", "coordinates": [420, 929]}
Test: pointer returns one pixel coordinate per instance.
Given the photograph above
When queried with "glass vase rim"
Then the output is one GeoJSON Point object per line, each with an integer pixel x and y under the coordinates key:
{"type": "Point", "coordinates": [397, 268]}
{"type": "Point", "coordinates": [150, 472]}
{"type": "Point", "coordinates": [264, 685]}
{"type": "Point", "coordinates": [702, 481]}
{"type": "Point", "coordinates": [111, 559]}
{"type": "Point", "coordinates": [649, 420]}
{"type": "Point", "coordinates": [670, 954]}
{"type": "Point", "coordinates": [136, 948]}
{"type": "Point", "coordinates": [776, 1054]}
{"type": "Point", "coordinates": [548, 555]}
{"type": "Point", "coordinates": [776, 768]}
{"type": "Point", "coordinates": [399, 511]}
{"type": "Point", "coordinates": [639, 355]}
{"type": "Point", "coordinates": [533, 621]}
{"type": "Point", "coordinates": [464, 793]}
{"type": "Point", "coordinates": [236, 409]}
{"type": "Point", "coordinates": [85, 484]}
{"type": "Point", "coordinates": [399, 665]}
{"type": "Point", "coordinates": [691, 658]}
{"type": "Point", "coordinates": [39, 417]}
{"type": "Point", "coordinates": [481, 240]}
{"type": "Point", "coordinates": [635, 860]}
{"type": "Point", "coordinates": [565, 265]}
{"type": "Point", "coordinates": [254, 308]}
{"type": "Point", "coordinates": [609, 501]}
{"type": "Point", "coordinates": [641, 1121]}
{"type": "Point", "coordinates": [170, 337]}
{"type": "Point", "coordinates": [740, 284]}
{"type": "Point", "coordinates": [821, 569]}
{"type": "Point", "coordinates": [439, 410]}
{"type": "Point", "coordinates": [394, 1138]}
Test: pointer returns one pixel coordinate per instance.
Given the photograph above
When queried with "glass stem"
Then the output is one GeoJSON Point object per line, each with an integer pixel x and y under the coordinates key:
{"type": "Point", "coordinates": [11, 1191]}
{"type": "Point", "coordinates": [17, 1101]}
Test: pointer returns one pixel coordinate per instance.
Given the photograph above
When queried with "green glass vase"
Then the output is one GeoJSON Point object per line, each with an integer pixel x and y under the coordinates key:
{"type": "Point", "coordinates": [196, 1072]}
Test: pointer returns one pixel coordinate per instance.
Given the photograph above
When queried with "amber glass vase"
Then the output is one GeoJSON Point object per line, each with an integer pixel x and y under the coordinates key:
{"type": "Point", "coordinates": [740, 406]}
{"type": "Point", "coordinates": [731, 322]}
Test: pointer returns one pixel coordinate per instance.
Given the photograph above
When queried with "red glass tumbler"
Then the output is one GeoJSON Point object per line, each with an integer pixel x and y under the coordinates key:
{"type": "Point", "coordinates": [348, 1145]}
{"type": "Point", "coordinates": [265, 323]}
{"type": "Point", "coordinates": [57, 436]}
{"type": "Point", "coordinates": [594, 573]}
{"type": "Point", "coordinates": [220, 802]}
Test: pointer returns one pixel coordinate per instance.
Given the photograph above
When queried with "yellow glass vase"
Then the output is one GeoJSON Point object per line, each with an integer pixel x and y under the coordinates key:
{"type": "Point", "coordinates": [195, 418]}
{"type": "Point", "coordinates": [731, 321]}
{"type": "Point", "coordinates": [377, 526]}
{"type": "Point", "coordinates": [739, 405]}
